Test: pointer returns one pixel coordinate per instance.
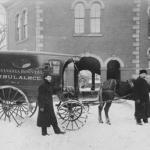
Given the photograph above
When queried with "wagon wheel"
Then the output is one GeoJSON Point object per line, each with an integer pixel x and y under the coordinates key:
{"type": "Point", "coordinates": [14, 105]}
{"type": "Point", "coordinates": [32, 108]}
{"type": "Point", "coordinates": [72, 115]}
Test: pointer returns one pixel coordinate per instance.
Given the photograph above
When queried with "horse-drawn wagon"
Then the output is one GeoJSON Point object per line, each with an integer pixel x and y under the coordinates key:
{"type": "Point", "coordinates": [21, 74]}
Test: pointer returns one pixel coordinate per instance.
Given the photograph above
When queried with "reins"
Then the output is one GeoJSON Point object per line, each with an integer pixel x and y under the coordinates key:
{"type": "Point", "coordinates": [115, 99]}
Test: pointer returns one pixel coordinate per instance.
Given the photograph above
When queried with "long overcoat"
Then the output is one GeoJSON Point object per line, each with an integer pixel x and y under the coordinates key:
{"type": "Point", "coordinates": [47, 117]}
{"type": "Point", "coordinates": [142, 103]}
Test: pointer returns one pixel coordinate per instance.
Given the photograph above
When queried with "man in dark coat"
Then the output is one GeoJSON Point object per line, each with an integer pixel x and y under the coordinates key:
{"type": "Point", "coordinates": [46, 114]}
{"type": "Point", "coordinates": [141, 91]}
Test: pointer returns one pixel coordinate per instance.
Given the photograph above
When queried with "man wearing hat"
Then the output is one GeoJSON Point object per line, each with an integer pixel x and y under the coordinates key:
{"type": "Point", "coordinates": [141, 91]}
{"type": "Point", "coordinates": [46, 115]}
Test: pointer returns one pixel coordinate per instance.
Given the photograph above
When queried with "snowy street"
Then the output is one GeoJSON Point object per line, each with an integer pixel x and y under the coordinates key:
{"type": "Point", "coordinates": [123, 134]}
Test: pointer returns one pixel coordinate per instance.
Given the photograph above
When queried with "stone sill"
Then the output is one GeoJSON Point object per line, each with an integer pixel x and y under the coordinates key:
{"type": "Point", "coordinates": [88, 35]}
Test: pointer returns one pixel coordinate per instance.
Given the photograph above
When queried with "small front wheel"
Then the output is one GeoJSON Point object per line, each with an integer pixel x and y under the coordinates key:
{"type": "Point", "coordinates": [72, 115]}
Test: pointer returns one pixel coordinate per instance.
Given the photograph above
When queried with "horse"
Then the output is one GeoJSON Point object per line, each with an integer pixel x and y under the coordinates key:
{"type": "Point", "coordinates": [112, 88]}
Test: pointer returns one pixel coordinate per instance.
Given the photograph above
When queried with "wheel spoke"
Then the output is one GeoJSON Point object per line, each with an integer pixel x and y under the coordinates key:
{"type": "Point", "coordinates": [5, 113]}
{"type": "Point", "coordinates": [2, 115]}
{"type": "Point", "coordinates": [20, 112]}
{"type": "Point", "coordinates": [1, 110]}
{"type": "Point", "coordinates": [16, 92]}
{"type": "Point", "coordinates": [23, 105]}
{"type": "Point", "coordinates": [76, 124]}
{"type": "Point", "coordinates": [64, 121]}
{"type": "Point", "coordinates": [9, 94]}
{"type": "Point", "coordinates": [67, 124]}
{"type": "Point", "coordinates": [19, 99]}
{"type": "Point", "coordinates": [17, 114]}
{"type": "Point", "coordinates": [3, 94]}
{"type": "Point", "coordinates": [23, 109]}
{"type": "Point", "coordinates": [15, 119]}
{"type": "Point", "coordinates": [72, 124]}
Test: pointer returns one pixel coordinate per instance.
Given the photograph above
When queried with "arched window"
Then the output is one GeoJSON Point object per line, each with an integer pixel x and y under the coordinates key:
{"type": "Point", "coordinates": [95, 18]}
{"type": "Point", "coordinates": [18, 27]}
{"type": "Point", "coordinates": [25, 24]}
{"type": "Point", "coordinates": [3, 27]}
{"type": "Point", "coordinates": [148, 11]}
{"type": "Point", "coordinates": [79, 15]}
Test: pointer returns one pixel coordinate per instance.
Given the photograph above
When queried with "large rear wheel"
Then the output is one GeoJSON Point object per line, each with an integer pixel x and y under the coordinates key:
{"type": "Point", "coordinates": [14, 105]}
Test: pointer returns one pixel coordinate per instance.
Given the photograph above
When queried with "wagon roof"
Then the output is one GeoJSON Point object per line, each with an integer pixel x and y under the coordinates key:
{"type": "Point", "coordinates": [89, 63]}
{"type": "Point", "coordinates": [85, 63]}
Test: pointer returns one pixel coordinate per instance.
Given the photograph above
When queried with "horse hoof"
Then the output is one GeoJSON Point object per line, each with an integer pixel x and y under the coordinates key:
{"type": "Point", "coordinates": [100, 121]}
{"type": "Point", "coordinates": [108, 123]}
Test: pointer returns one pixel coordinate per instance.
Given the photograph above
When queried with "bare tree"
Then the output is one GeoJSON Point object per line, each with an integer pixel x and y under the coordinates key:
{"type": "Point", "coordinates": [2, 36]}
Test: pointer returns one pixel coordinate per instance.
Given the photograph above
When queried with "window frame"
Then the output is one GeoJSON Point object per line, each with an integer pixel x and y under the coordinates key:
{"type": "Point", "coordinates": [24, 24]}
{"type": "Point", "coordinates": [18, 27]}
{"type": "Point", "coordinates": [79, 18]}
{"type": "Point", "coordinates": [95, 19]}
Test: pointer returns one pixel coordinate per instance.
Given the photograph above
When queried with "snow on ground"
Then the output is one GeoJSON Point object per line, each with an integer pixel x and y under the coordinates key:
{"type": "Point", "coordinates": [123, 134]}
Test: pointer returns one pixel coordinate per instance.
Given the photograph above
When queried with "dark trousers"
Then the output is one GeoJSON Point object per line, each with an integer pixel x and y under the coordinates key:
{"type": "Point", "coordinates": [44, 130]}
{"type": "Point", "coordinates": [141, 110]}
{"type": "Point", "coordinates": [55, 128]}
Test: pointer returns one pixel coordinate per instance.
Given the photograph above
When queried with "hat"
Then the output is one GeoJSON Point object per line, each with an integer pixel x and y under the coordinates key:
{"type": "Point", "coordinates": [143, 71]}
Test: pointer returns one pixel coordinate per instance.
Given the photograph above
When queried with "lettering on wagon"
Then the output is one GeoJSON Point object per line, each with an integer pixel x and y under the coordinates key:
{"type": "Point", "coordinates": [20, 77]}
{"type": "Point", "coordinates": [20, 74]}
{"type": "Point", "coordinates": [21, 71]}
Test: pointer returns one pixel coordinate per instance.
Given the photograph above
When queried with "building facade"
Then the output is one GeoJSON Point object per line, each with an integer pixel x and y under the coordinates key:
{"type": "Point", "coordinates": [115, 32]}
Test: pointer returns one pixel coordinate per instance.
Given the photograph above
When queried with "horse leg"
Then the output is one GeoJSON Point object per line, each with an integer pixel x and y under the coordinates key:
{"type": "Point", "coordinates": [100, 108]}
{"type": "Point", "coordinates": [106, 109]}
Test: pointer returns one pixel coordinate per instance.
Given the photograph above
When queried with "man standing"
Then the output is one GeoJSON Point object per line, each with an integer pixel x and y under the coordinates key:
{"type": "Point", "coordinates": [141, 91]}
{"type": "Point", "coordinates": [46, 114]}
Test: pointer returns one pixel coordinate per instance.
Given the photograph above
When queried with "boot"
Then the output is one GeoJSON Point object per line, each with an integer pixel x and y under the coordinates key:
{"type": "Point", "coordinates": [60, 132]}
{"type": "Point", "coordinates": [44, 131]}
{"type": "Point", "coordinates": [145, 120]}
{"type": "Point", "coordinates": [138, 121]}
{"type": "Point", "coordinates": [57, 130]}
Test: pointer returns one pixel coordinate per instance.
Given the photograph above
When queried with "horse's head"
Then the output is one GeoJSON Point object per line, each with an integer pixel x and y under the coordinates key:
{"type": "Point", "coordinates": [125, 88]}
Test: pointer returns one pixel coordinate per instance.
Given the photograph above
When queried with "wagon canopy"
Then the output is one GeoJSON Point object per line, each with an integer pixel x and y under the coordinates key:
{"type": "Point", "coordinates": [85, 63]}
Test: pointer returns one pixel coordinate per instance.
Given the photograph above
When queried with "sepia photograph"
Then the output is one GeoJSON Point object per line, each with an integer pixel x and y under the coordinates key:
{"type": "Point", "coordinates": [74, 74]}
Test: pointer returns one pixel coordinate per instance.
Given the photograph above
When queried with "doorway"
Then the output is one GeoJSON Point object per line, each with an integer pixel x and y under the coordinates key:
{"type": "Point", "coordinates": [113, 70]}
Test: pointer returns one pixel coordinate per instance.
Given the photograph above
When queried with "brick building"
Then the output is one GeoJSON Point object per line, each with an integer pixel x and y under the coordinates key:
{"type": "Point", "coordinates": [116, 32]}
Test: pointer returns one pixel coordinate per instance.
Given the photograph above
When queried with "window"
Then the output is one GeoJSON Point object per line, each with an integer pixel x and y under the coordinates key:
{"type": "Point", "coordinates": [79, 18]}
{"type": "Point", "coordinates": [18, 27]}
{"type": "Point", "coordinates": [95, 18]}
{"type": "Point", "coordinates": [148, 11]}
{"type": "Point", "coordinates": [55, 66]}
{"type": "Point", "coordinates": [21, 26]}
{"type": "Point", "coordinates": [25, 25]}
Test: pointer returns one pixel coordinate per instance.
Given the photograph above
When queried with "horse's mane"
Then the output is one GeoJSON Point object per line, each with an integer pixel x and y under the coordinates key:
{"type": "Point", "coordinates": [109, 84]}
